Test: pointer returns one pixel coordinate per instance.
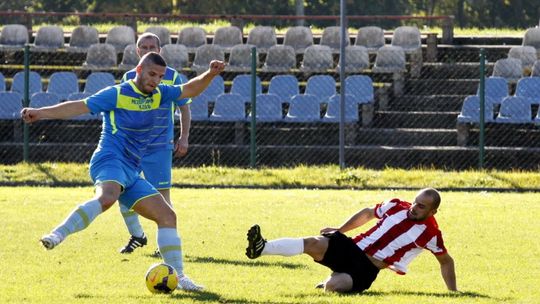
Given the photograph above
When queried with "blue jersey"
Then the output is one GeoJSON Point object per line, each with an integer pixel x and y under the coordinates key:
{"type": "Point", "coordinates": [130, 118]}
{"type": "Point", "coordinates": [163, 137]}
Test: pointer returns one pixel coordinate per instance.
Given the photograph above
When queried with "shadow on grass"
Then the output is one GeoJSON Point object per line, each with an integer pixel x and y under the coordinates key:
{"type": "Point", "coordinates": [464, 294]}
{"type": "Point", "coordinates": [192, 259]}
{"type": "Point", "coordinates": [207, 296]}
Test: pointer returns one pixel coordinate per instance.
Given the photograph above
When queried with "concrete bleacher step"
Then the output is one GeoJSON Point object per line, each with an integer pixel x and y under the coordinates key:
{"type": "Point", "coordinates": [416, 119]}
{"type": "Point", "coordinates": [506, 135]}
{"type": "Point", "coordinates": [456, 70]}
{"type": "Point", "coordinates": [442, 103]}
{"type": "Point", "coordinates": [405, 137]}
{"type": "Point", "coordinates": [440, 86]}
{"type": "Point", "coordinates": [471, 53]}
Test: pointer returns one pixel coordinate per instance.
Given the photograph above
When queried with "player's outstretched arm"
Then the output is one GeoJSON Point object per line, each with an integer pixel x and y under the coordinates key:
{"type": "Point", "coordinates": [355, 221]}
{"type": "Point", "coordinates": [63, 110]}
{"type": "Point", "coordinates": [197, 85]}
{"type": "Point", "coordinates": [448, 271]}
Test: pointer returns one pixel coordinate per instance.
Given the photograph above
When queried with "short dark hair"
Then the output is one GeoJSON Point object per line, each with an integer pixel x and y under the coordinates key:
{"type": "Point", "coordinates": [435, 197]}
{"type": "Point", "coordinates": [154, 58]}
{"type": "Point", "coordinates": [147, 36]}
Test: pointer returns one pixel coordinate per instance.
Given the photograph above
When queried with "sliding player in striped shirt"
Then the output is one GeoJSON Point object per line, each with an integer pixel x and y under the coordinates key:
{"type": "Point", "coordinates": [403, 230]}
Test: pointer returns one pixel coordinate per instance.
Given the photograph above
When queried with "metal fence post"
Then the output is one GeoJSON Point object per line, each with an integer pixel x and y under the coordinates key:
{"type": "Point", "coordinates": [26, 100]}
{"type": "Point", "coordinates": [253, 145]}
{"type": "Point", "coordinates": [482, 107]}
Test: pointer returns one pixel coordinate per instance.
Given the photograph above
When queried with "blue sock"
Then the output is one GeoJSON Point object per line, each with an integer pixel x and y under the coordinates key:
{"type": "Point", "coordinates": [80, 218]}
{"type": "Point", "coordinates": [170, 248]}
{"type": "Point", "coordinates": [132, 221]}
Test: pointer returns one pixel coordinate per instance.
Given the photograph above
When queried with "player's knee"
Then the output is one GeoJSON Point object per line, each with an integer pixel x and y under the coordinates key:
{"type": "Point", "coordinates": [339, 283]}
{"type": "Point", "coordinates": [167, 219]}
{"type": "Point", "coordinates": [107, 199]}
{"type": "Point", "coordinates": [316, 247]}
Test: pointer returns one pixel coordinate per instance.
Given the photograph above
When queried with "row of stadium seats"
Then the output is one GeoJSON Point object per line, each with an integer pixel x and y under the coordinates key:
{"type": "Point", "coordinates": [65, 83]}
{"type": "Point", "coordinates": [512, 69]}
{"type": "Point", "coordinates": [298, 37]}
{"type": "Point", "coordinates": [515, 108]}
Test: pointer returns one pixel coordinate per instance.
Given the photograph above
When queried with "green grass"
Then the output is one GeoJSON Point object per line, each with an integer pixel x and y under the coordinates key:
{"type": "Point", "coordinates": [297, 177]}
{"type": "Point", "coordinates": [493, 238]}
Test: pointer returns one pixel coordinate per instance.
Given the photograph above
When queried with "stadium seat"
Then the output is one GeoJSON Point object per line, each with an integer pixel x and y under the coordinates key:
{"type": "Point", "coordinates": [10, 105]}
{"type": "Point", "coordinates": [515, 110]}
{"type": "Point", "coordinates": [360, 88]}
{"type": "Point", "coordinates": [78, 96]}
{"type": "Point", "coordinates": [205, 54]}
{"type": "Point", "coordinates": [284, 86]}
{"type": "Point", "coordinates": [227, 37]}
{"type": "Point", "coordinates": [49, 38]}
{"type": "Point", "coordinates": [527, 55]}
{"type": "Point", "coordinates": [63, 84]}
{"type": "Point", "coordinates": [240, 58]}
{"type": "Point", "coordinates": [87, 116]}
{"type": "Point", "coordinates": [529, 87]}
{"type": "Point", "coordinates": [162, 32]}
{"type": "Point", "coordinates": [82, 37]}
{"type": "Point", "coordinates": [389, 59]}
{"type": "Point", "coordinates": [508, 68]}
{"type": "Point", "coordinates": [280, 59]}
{"type": "Point", "coordinates": [532, 38]}
{"type": "Point", "coordinates": [120, 36]}
{"type": "Point", "coordinates": [198, 107]}
{"type": "Point", "coordinates": [470, 111]}
{"type": "Point", "coordinates": [216, 88]}
{"type": "Point", "coordinates": [536, 69]}
{"type": "Point", "coordinates": [100, 56]}
{"type": "Point", "coordinates": [496, 89]}
{"type": "Point", "coordinates": [268, 108]}
{"type": "Point", "coordinates": [536, 119]}
{"type": "Point", "coordinates": [333, 109]}
{"type": "Point", "coordinates": [321, 87]}
{"type": "Point", "coordinates": [370, 37]}
{"type": "Point", "coordinates": [34, 83]}
{"type": "Point", "coordinates": [317, 59]}
{"type": "Point", "coordinates": [408, 38]}
{"type": "Point", "coordinates": [299, 38]}
{"type": "Point", "coordinates": [241, 86]}
{"type": "Point", "coordinates": [192, 38]}
{"type": "Point", "coordinates": [331, 37]}
{"type": "Point", "coordinates": [97, 81]}
{"type": "Point", "coordinates": [2, 83]}
{"type": "Point", "coordinates": [13, 36]}
{"type": "Point", "coordinates": [357, 59]}
{"type": "Point", "coordinates": [176, 56]}
{"type": "Point", "coordinates": [229, 107]}
{"type": "Point", "coordinates": [130, 59]}
{"type": "Point", "coordinates": [263, 37]}
{"type": "Point", "coordinates": [304, 108]}
{"type": "Point", "coordinates": [44, 99]}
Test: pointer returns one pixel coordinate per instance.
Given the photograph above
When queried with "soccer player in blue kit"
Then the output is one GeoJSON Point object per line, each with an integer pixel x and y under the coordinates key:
{"type": "Point", "coordinates": [156, 164]}
{"type": "Point", "coordinates": [130, 113]}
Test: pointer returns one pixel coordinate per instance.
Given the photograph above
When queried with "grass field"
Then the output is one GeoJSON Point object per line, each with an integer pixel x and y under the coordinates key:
{"type": "Point", "coordinates": [493, 238]}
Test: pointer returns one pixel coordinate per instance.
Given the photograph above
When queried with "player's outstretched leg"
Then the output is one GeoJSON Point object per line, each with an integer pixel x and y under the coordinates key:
{"type": "Point", "coordinates": [256, 242]}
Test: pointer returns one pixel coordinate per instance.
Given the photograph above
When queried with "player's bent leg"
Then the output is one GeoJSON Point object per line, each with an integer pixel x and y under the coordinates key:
{"type": "Point", "coordinates": [339, 282]}
{"type": "Point", "coordinates": [107, 193]}
{"type": "Point", "coordinates": [316, 247]}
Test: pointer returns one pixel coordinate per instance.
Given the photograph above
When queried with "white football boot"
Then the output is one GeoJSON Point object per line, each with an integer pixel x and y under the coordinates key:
{"type": "Point", "coordinates": [185, 283]}
{"type": "Point", "coordinates": [51, 240]}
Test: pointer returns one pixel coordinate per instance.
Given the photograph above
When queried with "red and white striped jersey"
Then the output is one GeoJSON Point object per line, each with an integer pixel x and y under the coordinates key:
{"type": "Point", "coordinates": [397, 240]}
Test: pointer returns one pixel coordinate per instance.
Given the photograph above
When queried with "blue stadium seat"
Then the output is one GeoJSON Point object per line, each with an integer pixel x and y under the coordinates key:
{"type": "Point", "coordinates": [333, 109]}
{"type": "Point", "coordinates": [470, 111]}
{"type": "Point", "coordinates": [515, 109]}
{"type": "Point", "coordinates": [241, 85]}
{"type": "Point", "coordinates": [529, 87]}
{"type": "Point", "coordinates": [321, 86]}
{"type": "Point", "coordinates": [87, 116]}
{"type": "Point", "coordinates": [284, 86]}
{"type": "Point", "coordinates": [10, 105]}
{"type": "Point", "coordinates": [63, 84]}
{"type": "Point", "coordinates": [2, 83]}
{"type": "Point", "coordinates": [44, 99]}
{"type": "Point", "coordinates": [268, 108]}
{"type": "Point", "coordinates": [199, 108]}
{"type": "Point", "coordinates": [97, 81]}
{"type": "Point", "coordinates": [34, 83]}
{"type": "Point", "coordinates": [360, 87]}
{"type": "Point", "coordinates": [304, 108]}
{"type": "Point", "coordinates": [229, 107]}
{"type": "Point", "coordinates": [496, 89]}
{"type": "Point", "coordinates": [216, 88]}
{"type": "Point", "coordinates": [537, 118]}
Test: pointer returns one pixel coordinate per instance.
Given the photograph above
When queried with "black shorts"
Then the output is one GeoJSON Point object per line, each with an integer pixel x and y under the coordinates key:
{"type": "Point", "coordinates": [343, 255]}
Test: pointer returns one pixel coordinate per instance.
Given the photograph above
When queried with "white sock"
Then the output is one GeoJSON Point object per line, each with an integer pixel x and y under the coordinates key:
{"type": "Point", "coordinates": [284, 247]}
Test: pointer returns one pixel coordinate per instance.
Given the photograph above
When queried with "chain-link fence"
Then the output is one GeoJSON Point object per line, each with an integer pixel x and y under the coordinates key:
{"type": "Point", "coordinates": [410, 101]}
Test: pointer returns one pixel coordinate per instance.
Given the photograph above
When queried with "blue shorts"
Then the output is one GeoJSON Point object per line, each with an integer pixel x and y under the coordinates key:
{"type": "Point", "coordinates": [134, 187]}
{"type": "Point", "coordinates": [156, 167]}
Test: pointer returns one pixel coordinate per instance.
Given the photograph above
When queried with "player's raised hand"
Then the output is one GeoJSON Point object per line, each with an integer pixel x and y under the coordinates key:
{"type": "Point", "coordinates": [30, 115]}
{"type": "Point", "coordinates": [216, 67]}
{"type": "Point", "coordinates": [328, 230]}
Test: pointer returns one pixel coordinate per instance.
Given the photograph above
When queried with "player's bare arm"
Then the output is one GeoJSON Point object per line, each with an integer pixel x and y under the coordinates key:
{"type": "Point", "coordinates": [196, 85]}
{"type": "Point", "coordinates": [63, 110]}
{"type": "Point", "coordinates": [448, 271]}
{"type": "Point", "coordinates": [355, 221]}
{"type": "Point", "coordinates": [181, 146]}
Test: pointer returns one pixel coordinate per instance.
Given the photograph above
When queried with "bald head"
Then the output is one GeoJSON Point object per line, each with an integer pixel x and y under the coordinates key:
{"type": "Point", "coordinates": [433, 194]}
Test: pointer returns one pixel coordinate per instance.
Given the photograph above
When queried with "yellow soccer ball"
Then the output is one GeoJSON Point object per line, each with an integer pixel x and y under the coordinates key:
{"type": "Point", "coordinates": [161, 278]}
